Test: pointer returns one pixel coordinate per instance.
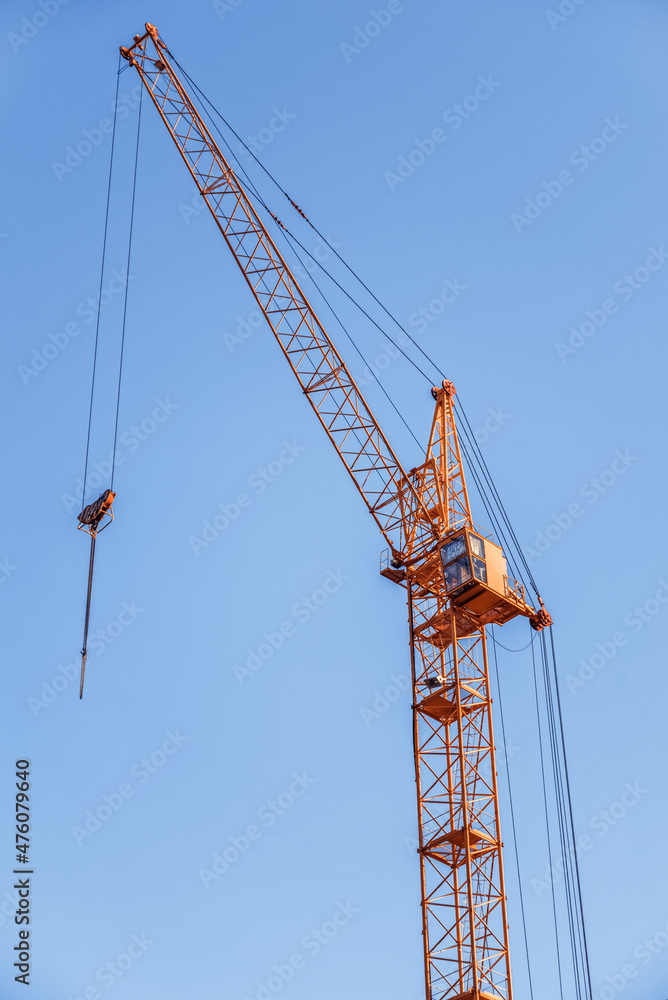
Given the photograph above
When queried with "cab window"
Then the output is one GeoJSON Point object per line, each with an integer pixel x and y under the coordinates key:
{"type": "Point", "coordinates": [456, 547]}
{"type": "Point", "coordinates": [479, 570]}
{"type": "Point", "coordinates": [457, 573]}
{"type": "Point", "coordinates": [477, 546]}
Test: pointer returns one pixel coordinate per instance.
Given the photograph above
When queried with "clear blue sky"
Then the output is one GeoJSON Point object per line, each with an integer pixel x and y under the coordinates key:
{"type": "Point", "coordinates": [543, 204]}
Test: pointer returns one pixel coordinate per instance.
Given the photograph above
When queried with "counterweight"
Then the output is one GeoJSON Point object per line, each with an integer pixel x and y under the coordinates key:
{"type": "Point", "coordinates": [454, 574]}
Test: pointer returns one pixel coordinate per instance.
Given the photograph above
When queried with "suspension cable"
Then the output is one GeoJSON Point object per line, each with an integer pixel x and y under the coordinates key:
{"type": "Point", "coordinates": [99, 297]}
{"type": "Point", "coordinates": [488, 476]}
{"type": "Point", "coordinates": [89, 517]}
{"type": "Point", "coordinates": [307, 220]}
{"type": "Point", "coordinates": [566, 823]}
{"type": "Point", "coordinates": [534, 635]}
{"type": "Point", "coordinates": [361, 355]}
{"type": "Point", "coordinates": [563, 841]}
{"type": "Point", "coordinates": [564, 816]}
{"type": "Point", "coordinates": [291, 239]}
{"type": "Point", "coordinates": [318, 263]}
{"type": "Point", "coordinates": [547, 822]}
{"type": "Point", "coordinates": [512, 813]}
{"type": "Point", "coordinates": [127, 285]}
{"type": "Point", "coordinates": [576, 865]}
{"type": "Point", "coordinates": [493, 520]}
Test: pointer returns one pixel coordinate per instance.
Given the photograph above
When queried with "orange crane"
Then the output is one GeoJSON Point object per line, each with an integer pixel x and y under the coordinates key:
{"type": "Point", "coordinates": [455, 575]}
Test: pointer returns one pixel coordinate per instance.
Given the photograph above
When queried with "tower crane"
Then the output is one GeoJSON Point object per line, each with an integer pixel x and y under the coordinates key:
{"type": "Point", "coordinates": [455, 575]}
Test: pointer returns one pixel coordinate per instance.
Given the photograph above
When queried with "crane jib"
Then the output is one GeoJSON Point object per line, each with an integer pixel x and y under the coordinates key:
{"type": "Point", "coordinates": [323, 375]}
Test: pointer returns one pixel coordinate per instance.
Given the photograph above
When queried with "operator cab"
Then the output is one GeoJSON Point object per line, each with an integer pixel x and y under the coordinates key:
{"type": "Point", "coordinates": [463, 559]}
{"type": "Point", "coordinates": [476, 577]}
{"type": "Point", "coordinates": [478, 588]}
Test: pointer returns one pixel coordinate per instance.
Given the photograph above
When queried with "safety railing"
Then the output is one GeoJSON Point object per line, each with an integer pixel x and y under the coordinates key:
{"type": "Point", "coordinates": [514, 590]}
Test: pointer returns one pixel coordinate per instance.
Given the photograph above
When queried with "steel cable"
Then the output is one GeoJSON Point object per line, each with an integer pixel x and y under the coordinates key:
{"type": "Point", "coordinates": [127, 284]}
{"type": "Point", "coordinates": [512, 815]}
{"type": "Point", "coordinates": [290, 239]}
{"type": "Point", "coordinates": [99, 297]}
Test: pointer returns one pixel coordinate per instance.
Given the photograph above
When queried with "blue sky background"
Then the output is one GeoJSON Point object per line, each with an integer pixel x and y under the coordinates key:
{"type": "Point", "coordinates": [170, 668]}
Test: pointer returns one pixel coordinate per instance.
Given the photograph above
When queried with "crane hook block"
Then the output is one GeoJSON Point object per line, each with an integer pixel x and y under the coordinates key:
{"type": "Point", "coordinates": [91, 516]}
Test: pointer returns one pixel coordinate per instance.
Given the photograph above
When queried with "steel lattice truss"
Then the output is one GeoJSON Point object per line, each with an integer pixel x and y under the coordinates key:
{"type": "Point", "coordinates": [463, 898]}
{"type": "Point", "coordinates": [445, 453]}
{"type": "Point", "coordinates": [459, 845]}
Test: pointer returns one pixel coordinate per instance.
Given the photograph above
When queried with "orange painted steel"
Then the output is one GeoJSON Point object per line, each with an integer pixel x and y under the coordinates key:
{"type": "Point", "coordinates": [324, 377]}
{"type": "Point", "coordinates": [419, 513]}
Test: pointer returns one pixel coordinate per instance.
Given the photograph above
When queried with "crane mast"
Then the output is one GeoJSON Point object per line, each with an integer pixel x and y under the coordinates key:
{"type": "Point", "coordinates": [454, 574]}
